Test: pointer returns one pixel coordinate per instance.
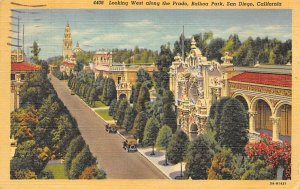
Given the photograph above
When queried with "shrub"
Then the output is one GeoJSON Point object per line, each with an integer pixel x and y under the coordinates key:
{"type": "Point", "coordinates": [198, 158]}
{"type": "Point", "coordinates": [75, 147]}
{"type": "Point", "coordinates": [80, 162]}
{"type": "Point", "coordinates": [92, 172]}
{"type": "Point", "coordinates": [223, 166]}
{"type": "Point", "coordinates": [25, 174]}
{"type": "Point", "coordinates": [273, 153]}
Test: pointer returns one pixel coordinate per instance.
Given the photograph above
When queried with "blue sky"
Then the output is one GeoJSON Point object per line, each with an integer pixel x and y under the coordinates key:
{"type": "Point", "coordinates": [147, 28]}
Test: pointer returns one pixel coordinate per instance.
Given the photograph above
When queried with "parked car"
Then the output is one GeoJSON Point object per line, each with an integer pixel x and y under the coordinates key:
{"type": "Point", "coordinates": [130, 145]}
{"type": "Point", "coordinates": [111, 127]}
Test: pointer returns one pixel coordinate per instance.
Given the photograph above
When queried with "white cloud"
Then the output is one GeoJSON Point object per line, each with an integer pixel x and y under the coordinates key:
{"type": "Point", "coordinates": [141, 24]}
{"type": "Point", "coordinates": [89, 31]}
{"type": "Point", "coordinates": [108, 38]}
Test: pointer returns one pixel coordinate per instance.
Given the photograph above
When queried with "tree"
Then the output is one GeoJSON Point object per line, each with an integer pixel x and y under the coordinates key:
{"type": "Point", "coordinates": [164, 58]}
{"type": "Point", "coordinates": [131, 94]}
{"type": "Point", "coordinates": [32, 92]}
{"type": "Point", "coordinates": [234, 124]}
{"type": "Point", "coordinates": [111, 92]}
{"type": "Point", "coordinates": [150, 133]}
{"type": "Point", "coordinates": [83, 160]}
{"type": "Point", "coordinates": [161, 79]}
{"type": "Point", "coordinates": [111, 110]}
{"type": "Point", "coordinates": [198, 158]}
{"type": "Point", "coordinates": [249, 59]}
{"type": "Point", "coordinates": [163, 138]}
{"type": "Point", "coordinates": [63, 134]}
{"type": "Point", "coordinates": [128, 119]}
{"type": "Point", "coordinates": [144, 96]}
{"type": "Point", "coordinates": [139, 125]}
{"type": "Point", "coordinates": [223, 166]}
{"type": "Point", "coordinates": [103, 97]}
{"type": "Point", "coordinates": [177, 148]}
{"type": "Point", "coordinates": [90, 95]}
{"type": "Point", "coordinates": [216, 115]}
{"type": "Point", "coordinates": [232, 44]}
{"type": "Point", "coordinates": [35, 52]}
{"type": "Point", "coordinates": [27, 158]}
{"type": "Point", "coordinates": [121, 111]}
{"type": "Point", "coordinates": [74, 148]}
{"type": "Point", "coordinates": [142, 76]}
{"type": "Point", "coordinates": [213, 49]}
{"type": "Point", "coordinates": [169, 115]}
{"type": "Point", "coordinates": [116, 108]}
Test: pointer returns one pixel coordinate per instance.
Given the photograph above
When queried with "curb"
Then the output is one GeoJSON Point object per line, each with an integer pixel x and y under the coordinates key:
{"type": "Point", "coordinates": [147, 158]}
{"type": "Point", "coordinates": [154, 165]}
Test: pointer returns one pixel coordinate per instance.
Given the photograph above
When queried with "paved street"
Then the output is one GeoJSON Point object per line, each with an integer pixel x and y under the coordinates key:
{"type": "Point", "coordinates": [117, 163]}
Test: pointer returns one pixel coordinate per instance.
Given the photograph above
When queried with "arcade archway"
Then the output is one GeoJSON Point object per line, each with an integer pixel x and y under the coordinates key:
{"type": "Point", "coordinates": [284, 111]}
{"type": "Point", "coordinates": [263, 115]}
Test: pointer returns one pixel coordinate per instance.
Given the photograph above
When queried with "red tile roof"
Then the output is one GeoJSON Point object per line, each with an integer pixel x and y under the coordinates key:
{"type": "Point", "coordinates": [69, 64]}
{"type": "Point", "coordinates": [282, 80]}
{"type": "Point", "coordinates": [24, 66]}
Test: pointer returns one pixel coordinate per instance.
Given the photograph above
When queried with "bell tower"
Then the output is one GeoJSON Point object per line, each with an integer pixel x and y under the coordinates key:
{"type": "Point", "coordinates": [67, 43]}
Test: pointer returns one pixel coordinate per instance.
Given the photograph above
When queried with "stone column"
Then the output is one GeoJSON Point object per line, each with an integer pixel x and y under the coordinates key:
{"type": "Point", "coordinates": [18, 96]}
{"type": "Point", "coordinates": [275, 122]}
{"type": "Point", "coordinates": [252, 121]}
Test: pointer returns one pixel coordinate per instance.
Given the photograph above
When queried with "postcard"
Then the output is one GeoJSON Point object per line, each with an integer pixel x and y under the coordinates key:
{"type": "Point", "coordinates": [149, 94]}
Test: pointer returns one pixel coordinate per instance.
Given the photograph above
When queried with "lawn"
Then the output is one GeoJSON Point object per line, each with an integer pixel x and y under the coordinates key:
{"type": "Point", "coordinates": [99, 104]}
{"type": "Point", "coordinates": [58, 171]}
{"type": "Point", "coordinates": [104, 114]}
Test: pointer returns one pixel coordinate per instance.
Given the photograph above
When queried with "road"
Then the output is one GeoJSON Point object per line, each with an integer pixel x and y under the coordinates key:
{"type": "Point", "coordinates": [107, 148]}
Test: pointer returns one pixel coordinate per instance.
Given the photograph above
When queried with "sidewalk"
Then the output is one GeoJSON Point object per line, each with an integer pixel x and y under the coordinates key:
{"type": "Point", "coordinates": [158, 160]}
{"type": "Point", "coordinates": [101, 108]}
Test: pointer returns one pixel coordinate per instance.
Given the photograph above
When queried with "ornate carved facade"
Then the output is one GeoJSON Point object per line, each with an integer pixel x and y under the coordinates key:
{"type": "Point", "coordinates": [196, 84]}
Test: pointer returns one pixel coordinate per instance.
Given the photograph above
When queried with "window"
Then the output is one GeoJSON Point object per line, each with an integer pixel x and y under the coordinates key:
{"type": "Point", "coordinates": [13, 77]}
{"type": "Point", "coordinates": [22, 77]}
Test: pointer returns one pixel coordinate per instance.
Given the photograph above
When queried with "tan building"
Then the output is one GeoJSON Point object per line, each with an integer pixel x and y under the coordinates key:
{"type": "Point", "coordinates": [265, 92]}
{"type": "Point", "coordinates": [67, 66]}
{"type": "Point", "coordinates": [17, 55]}
{"type": "Point", "coordinates": [18, 73]}
{"type": "Point", "coordinates": [124, 75]}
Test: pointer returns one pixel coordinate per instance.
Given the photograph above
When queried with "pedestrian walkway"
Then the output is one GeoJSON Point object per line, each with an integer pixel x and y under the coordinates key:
{"type": "Point", "coordinates": [158, 160]}
{"type": "Point", "coordinates": [101, 108]}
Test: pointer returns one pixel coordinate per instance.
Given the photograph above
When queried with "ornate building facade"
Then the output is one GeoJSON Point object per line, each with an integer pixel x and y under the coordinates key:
{"type": "Point", "coordinates": [67, 43]}
{"type": "Point", "coordinates": [265, 92]}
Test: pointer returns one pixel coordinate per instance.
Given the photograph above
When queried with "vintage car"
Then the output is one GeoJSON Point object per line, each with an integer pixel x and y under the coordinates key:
{"type": "Point", "coordinates": [111, 127]}
{"type": "Point", "coordinates": [130, 145]}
